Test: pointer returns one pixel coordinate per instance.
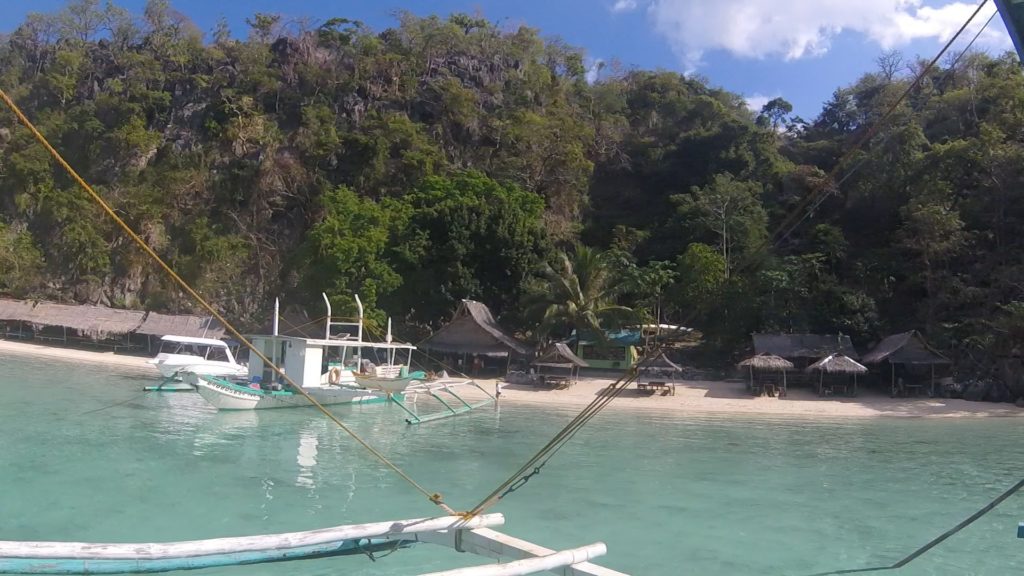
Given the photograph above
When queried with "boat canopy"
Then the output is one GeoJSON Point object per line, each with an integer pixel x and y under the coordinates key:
{"type": "Point", "coordinates": [198, 341]}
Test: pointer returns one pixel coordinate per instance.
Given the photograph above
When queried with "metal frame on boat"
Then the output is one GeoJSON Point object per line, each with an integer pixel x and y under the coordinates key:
{"type": "Point", "coordinates": [304, 359]}
{"type": "Point", "coordinates": [472, 536]}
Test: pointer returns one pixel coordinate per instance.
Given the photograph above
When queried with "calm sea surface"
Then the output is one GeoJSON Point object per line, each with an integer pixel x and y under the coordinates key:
{"type": "Point", "coordinates": [84, 455]}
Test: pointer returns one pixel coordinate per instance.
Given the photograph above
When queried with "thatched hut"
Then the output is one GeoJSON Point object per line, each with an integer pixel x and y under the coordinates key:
{"type": "Point", "coordinates": [473, 331]}
{"type": "Point", "coordinates": [158, 325]}
{"type": "Point", "coordinates": [658, 373]}
{"type": "Point", "coordinates": [835, 371]}
{"type": "Point", "coordinates": [767, 371]}
{"type": "Point", "coordinates": [911, 362]}
{"type": "Point", "coordinates": [13, 315]}
{"type": "Point", "coordinates": [559, 357]}
{"type": "Point", "coordinates": [94, 323]}
{"type": "Point", "coordinates": [803, 349]}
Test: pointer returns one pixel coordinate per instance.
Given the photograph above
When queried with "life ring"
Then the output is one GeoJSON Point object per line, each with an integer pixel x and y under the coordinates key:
{"type": "Point", "coordinates": [334, 376]}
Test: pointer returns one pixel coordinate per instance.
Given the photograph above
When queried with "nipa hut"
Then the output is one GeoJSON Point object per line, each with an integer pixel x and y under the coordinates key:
{"type": "Point", "coordinates": [13, 315]}
{"type": "Point", "coordinates": [158, 325]}
{"type": "Point", "coordinates": [911, 362]}
{"type": "Point", "coordinates": [803, 349]}
{"type": "Point", "coordinates": [473, 331]}
{"type": "Point", "coordinates": [559, 357]}
{"type": "Point", "coordinates": [767, 372]}
{"type": "Point", "coordinates": [835, 371]}
{"type": "Point", "coordinates": [94, 323]}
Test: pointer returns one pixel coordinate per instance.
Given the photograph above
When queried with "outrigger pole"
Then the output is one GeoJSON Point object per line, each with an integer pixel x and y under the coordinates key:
{"type": "Point", "coordinates": [471, 536]}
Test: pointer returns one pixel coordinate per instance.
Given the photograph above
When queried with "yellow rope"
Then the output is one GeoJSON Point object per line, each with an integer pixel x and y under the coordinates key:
{"type": "Point", "coordinates": [434, 497]}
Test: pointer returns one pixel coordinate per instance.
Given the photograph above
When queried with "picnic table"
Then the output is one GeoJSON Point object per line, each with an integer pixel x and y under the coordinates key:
{"type": "Point", "coordinates": [556, 382]}
{"type": "Point", "coordinates": [657, 386]}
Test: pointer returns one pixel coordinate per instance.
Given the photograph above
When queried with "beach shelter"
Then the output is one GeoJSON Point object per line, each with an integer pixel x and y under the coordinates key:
{"type": "Point", "coordinates": [15, 312]}
{"type": "Point", "coordinates": [834, 371]}
{"type": "Point", "coordinates": [560, 357]}
{"type": "Point", "coordinates": [909, 359]}
{"type": "Point", "coordinates": [658, 372]}
{"type": "Point", "coordinates": [93, 322]}
{"type": "Point", "coordinates": [765, 369]}
{"type": "Point", "coordinates": [473, 331]}
{"type": "Point", "coordinates": [803, 350]}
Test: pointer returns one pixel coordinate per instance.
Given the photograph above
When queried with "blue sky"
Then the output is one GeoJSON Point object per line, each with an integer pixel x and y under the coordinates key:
{"type": "Point", "coordinates": [755, 48]}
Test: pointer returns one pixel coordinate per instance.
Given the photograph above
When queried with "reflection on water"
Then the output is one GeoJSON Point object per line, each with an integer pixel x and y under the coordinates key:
{"type": "Point", "coordinates": [795, 497]}
{"type": "Point", "coordinates": [307, 458]}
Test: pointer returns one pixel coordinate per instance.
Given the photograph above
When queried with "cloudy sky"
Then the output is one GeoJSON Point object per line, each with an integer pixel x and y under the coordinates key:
{"type": "Point", "coordinates": [801, 50]}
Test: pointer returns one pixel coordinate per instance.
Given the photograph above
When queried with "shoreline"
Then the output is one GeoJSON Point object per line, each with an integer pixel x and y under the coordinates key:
{"type": "Point", "coordinates": [133, 365]}
{"type": "Point", "coordinates": [692, 397]}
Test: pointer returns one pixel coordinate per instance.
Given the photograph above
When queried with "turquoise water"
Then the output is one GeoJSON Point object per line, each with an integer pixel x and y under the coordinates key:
{"type": "Point", "coordinates": [669, 494]}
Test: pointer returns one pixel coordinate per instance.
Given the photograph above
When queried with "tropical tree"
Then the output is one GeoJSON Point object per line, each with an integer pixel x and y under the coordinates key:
{"type": "Point", "coordinates": [578, 292]}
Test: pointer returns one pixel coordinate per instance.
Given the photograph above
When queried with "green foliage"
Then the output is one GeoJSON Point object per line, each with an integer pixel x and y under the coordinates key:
{"type": "Point", "coordinates": [578, 292]}
{"type": "Point", "coordinates": [729, 211]}
{"type": "Point", "coordinates": [441, 159]}
{"type": "Point", "coordinates": [345, 252]}
{"type": "Point", "coordinates": [467, 237]}
{"type": "Point", "coordinates": [21, 262]}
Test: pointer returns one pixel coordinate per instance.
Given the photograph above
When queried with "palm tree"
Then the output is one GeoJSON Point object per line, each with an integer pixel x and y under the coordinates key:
{"type": "Point", "coordinates": [578, 292]}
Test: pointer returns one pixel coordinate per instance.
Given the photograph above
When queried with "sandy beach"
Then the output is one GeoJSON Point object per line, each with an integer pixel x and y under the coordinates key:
{"type": "Point", "coordinates": [727, 397]}
{"type": "Point", "coordinates": [134, 365]}
{"type": "Point", "coordinates": [694, 397]}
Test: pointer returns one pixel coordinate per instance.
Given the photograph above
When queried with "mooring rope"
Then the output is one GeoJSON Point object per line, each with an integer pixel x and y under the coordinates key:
{"type": "Point", "coordinates": [934, 541]}
{"type": "Point", "coordinates": [434, 497]}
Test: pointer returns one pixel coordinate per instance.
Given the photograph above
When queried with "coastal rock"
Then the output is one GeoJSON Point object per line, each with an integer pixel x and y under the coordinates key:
{"type": "Point", "coordinates": [1020, 402]}
{"type": "Point", "coordinates": [975, 390]}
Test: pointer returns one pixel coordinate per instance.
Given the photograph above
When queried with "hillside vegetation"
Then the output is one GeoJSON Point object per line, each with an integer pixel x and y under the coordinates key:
{"type": "Point", "coordinates": [446, 158]}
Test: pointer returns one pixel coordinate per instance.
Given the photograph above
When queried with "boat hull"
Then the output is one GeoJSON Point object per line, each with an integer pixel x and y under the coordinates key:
{"type": "Point", "coordinates": [228, 397]}
{"type": "Point", "coordinates": [171, 385]}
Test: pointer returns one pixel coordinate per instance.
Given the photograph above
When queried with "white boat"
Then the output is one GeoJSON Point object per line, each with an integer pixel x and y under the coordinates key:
{"type": "Point", "coordinates": [180, 354]}
{"type": "Point", "coordinates": [323, 367]}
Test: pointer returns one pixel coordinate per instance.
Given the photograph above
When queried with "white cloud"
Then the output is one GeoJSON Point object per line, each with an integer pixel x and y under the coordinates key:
{"type": "Point", "coordinates": [757, 101]}
{"type": "Point", "coordinates": [802, 28]}
{"type": "Point", "coordinates": [624, 6]}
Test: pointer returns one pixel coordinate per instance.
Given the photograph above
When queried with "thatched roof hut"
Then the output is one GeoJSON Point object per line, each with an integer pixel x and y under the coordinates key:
{"type": "Point", "coordinates": [561, 356]}
{"type": "Point", "coordinates": [193, 326]}
{"type": "Point", "coordinates": [915, 358]}
{"type": "Point", "coordinates": [768, 362]}
{"type": "Point", "coordinates": [906, 348]}
{"type": "Point", "coordinates": [473, 330]}
{"type": "Point", "coordinates": [15, 310]}
{"type": "Point", "coordinates": [94, 321]}
{"type": "Point", "coordinates": [659, 363]}
{"type": "Point", "coordinates": [837, 364]}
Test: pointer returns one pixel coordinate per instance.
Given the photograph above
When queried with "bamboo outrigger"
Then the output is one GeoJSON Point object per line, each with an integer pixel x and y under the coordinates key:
{"type": "Point", "coordinates": [471, 536]}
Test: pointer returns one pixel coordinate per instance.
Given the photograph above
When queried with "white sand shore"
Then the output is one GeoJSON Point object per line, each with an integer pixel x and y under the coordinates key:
{"type": "Point", "coordinates": [702, 397]}
{"type": "Point", "coordinates": [694, 397]}
{"type": "Point", "coordinates": [133, 365]}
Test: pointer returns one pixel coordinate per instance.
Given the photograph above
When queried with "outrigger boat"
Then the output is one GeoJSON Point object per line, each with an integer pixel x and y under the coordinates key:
{"type": "Point", "coordinates": [181, 354]}
{"type": "Point", "coordinates": [325, 368]}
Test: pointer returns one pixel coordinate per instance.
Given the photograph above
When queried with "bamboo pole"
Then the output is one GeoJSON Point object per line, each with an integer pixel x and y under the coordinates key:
{"type": "Point", "coordinates": [531, 565]}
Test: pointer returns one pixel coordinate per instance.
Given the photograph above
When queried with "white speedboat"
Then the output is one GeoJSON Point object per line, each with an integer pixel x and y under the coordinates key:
{"type": "Point", "coordinates": [180, 354]}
